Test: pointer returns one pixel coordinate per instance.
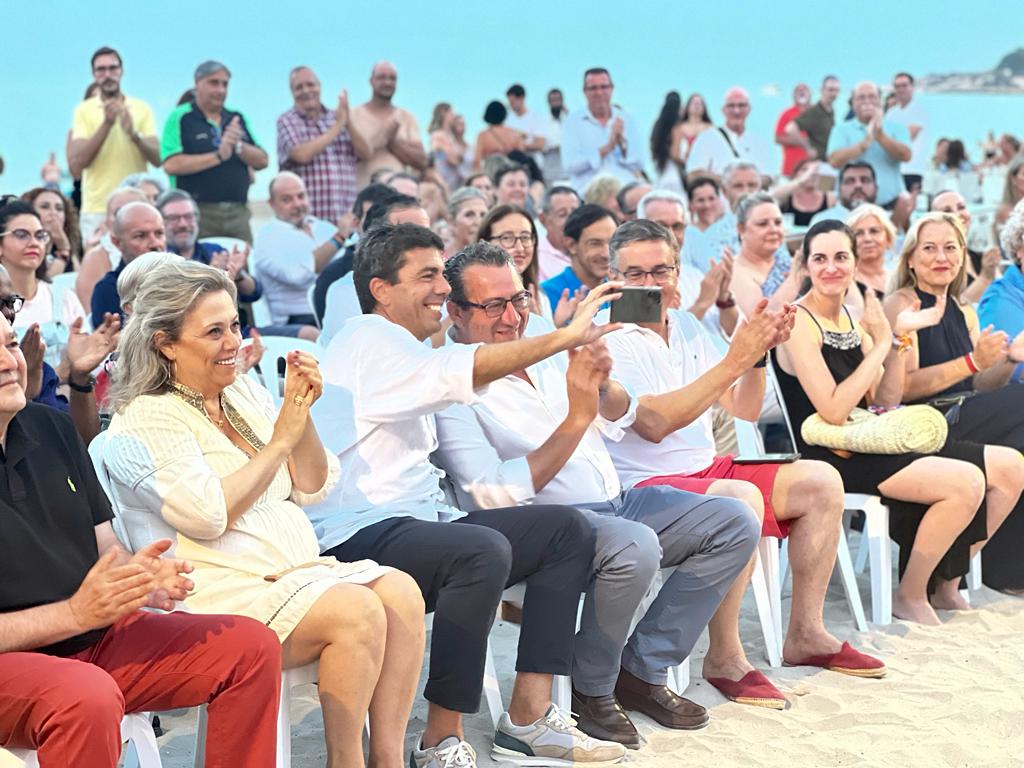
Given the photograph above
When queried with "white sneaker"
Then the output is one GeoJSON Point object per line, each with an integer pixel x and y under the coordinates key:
{"type": "Point", "coordinates": [554, 740]}
{"type": "Point", "coordinates": [449, 753]}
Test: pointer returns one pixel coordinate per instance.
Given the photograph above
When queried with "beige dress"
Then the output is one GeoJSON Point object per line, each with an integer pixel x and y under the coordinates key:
{"type": "Point", "coordinates": [166, 460]}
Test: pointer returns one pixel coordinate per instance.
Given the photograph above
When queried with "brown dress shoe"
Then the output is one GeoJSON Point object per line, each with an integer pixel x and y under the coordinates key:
{"type": "Point", "coordinates": [511, 613]}
{"type": "Point", "coordinates": [659, 703]}
{"type": "Point", "coordinates": [603, 718]}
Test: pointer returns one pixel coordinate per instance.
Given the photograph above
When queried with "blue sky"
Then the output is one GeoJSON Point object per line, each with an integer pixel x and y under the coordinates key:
{"type": "Point", "coordinates": [471, 53]}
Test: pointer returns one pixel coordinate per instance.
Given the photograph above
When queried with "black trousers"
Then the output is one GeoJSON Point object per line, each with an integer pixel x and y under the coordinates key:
{"type": "Point", "coordinates": [462, 569]}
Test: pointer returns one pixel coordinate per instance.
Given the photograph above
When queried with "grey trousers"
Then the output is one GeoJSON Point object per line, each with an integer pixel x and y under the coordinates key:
{"type": "Point", "coordinates": [707, 540]}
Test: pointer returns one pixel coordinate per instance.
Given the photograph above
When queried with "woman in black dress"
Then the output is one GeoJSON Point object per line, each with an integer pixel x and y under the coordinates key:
{"type": "Point", "coordinates": [963, 369]}
{"type": "Point", "coordinates": [941, 504]}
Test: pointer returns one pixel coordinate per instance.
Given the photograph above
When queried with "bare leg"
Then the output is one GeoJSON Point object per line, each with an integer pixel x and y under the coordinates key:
{"type": "Point", "coordinates": [531, 697]}
{"type": "Point", "coordinates": [441, 723]}
{"type": "Point", "coordinates": [345, 630]}
{"type": "Point", "coordinates": [400, 670]}
{"type": "Point", "coordinates": [809, 495]}
{"type": "Point", "coordinates": [725, 656]}
{"type": "Point", "coordinates": [954, 490]}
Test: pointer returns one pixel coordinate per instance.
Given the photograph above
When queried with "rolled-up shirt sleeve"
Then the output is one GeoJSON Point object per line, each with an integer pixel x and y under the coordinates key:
{"type": "Point", "coordinates": [579, 153]}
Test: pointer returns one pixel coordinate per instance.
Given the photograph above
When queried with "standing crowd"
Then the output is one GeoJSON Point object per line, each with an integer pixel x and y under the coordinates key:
{"type": "Point", "coordinates": [465, 409]}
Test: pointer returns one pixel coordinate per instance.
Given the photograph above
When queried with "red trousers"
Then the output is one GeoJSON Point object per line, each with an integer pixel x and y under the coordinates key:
{"type": "Point", "coordinates": [70, 709]}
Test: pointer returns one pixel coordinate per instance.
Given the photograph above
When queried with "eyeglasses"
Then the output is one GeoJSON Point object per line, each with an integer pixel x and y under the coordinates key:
{"type": "Point", "coordinates": [12, 302]}
{"type": "Point", "coordinates": [41, 236]}
{"type": "Point", "coordinates": [110, 68]}
{"type": "Point", "coordinates": [172, 217]}
{"type": "Point", "coordinates": [508, 240]}
{"type": "Point", "coordinates": [496, 307]}
{"type": "Point", "coordinates": [660, 274]}
{"type": "Point", "coordinates": [601, 87]}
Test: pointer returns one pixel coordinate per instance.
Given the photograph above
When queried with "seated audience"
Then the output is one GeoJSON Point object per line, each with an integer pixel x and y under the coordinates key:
{"type": "Point", "coordinates": [1002, 306]}
{"type": "Point", "coordinates": [856, 186]}
{"type": "Point", "coordinates": [832, 364]}
{"type": "Point", "coordinates": [627, 198]}
{"type": "Point", "coordinates": [484, 183]}
{"type": "Point", "coordinates": [874, 237]}
{"type": "Point", "coordinates": [534, 437]}
{"type": "Point", "coordinates": [102, 257]}
{"type": "Point", "coordinates": [383, 387]}
{"type": "Point", "coordinates": [23, 245]}
{"type": "Point", "coordinates": [760, 269]}
{"type": "Point", "coordinates": [150, 186]}
{"type": "Point", "coordinates": [801, 197]}
{"type": "Point", "coordinates": [138, 229]}
{"type": "Point", "coordinates": [552, 252]}
{"type": "Point", "coordinates": [604, 191]}
{"type": "Point", "coordinates": [982, 268]}
{"type": "Point", "coordinates": [1013, 189]}
{"type": "Point", "coordinates": [58, 215]}
{"type": "Point", "coordinates": [198, 454]}
{"type": "Point", "coordinates": [467, 207]}
{"type": "Point", "coordinates": [512, 186]}
{"type": "Point", "coordinates": [677, 372]}
{"type": "Point", "coordinates": [961, 368]}
{"type": "Point", "coordinates": [587, 231]}
{"type": "Point", "coordinates": [76, 651]}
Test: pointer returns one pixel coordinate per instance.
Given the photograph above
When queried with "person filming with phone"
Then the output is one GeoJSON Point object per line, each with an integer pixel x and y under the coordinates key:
{"type": "Point", "coordinates": [677, 373]}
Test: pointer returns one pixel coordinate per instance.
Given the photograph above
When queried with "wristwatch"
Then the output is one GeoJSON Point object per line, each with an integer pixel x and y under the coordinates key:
{"type": "Point", "coordinates": [85, 389]}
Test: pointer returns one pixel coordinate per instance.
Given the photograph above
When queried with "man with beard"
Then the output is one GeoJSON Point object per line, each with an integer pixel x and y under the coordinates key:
{"type": "Point", "coordinates": [112, 136]}
{"type": "Point", "coordinates": [856, 186]}
{"type": "Point", "coordinates": [391, 133]}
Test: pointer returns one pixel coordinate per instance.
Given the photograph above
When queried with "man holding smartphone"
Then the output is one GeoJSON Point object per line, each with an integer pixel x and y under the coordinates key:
{"type": "Point", "coordinates": [677, 374]}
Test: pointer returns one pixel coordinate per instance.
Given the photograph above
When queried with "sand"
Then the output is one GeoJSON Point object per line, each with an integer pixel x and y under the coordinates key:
{"type": "Point", "coordinates": [954, 696]}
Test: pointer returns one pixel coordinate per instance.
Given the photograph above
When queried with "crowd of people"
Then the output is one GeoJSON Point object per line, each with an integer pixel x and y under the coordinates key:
{"type": "Point", "coordinates": [477, 416]}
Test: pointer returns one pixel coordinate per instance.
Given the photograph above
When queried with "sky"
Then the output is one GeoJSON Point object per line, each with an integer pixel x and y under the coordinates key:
{"type": "Point", "coordinates": [471, 53]}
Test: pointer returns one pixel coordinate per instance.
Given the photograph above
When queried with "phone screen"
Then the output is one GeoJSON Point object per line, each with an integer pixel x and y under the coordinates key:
{"type": "Point", "coordinates": [638, 304]}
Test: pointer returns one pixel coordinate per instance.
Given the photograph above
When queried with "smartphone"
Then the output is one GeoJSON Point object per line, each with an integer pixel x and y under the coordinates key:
{"type": "Point", "coordinates": [768, 458]}
{"type": "Point", "coordinates": [638, 304]}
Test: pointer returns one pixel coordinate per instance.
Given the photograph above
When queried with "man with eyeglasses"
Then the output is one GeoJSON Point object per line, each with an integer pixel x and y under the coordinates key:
{"type": "Point", "coordinates": [534, 437]}
{"type": "Point", "coordinates": [714, 149]}
{"type": "Point", "coordinates": [383, 388]}
{"type": "Point", "coordinates": [601, 139]}
{"type": "Point", "coordinates": [870, 136]}
{"type": "Point", "coordinates": [112, 136]}
{"type": "Point", "coordinates": [587, 232]}
{"type": "Point", "coordinates": [677, 373]}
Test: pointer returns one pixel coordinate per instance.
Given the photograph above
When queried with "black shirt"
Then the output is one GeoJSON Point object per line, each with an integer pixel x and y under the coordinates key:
{"type": "Point", "coordinates": [335, 270]}
{"type": "Point", "coordinates": [50, 503]}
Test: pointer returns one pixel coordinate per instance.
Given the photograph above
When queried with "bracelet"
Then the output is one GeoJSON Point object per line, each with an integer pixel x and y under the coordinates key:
{"type": "Point", "coordinates": [337, 243]}
{"type": "Point", "coordinates": [85, 389]}
{"type": "Point", "coordinates": [727, 304]}
{"type": "Point", "coordinates": [763, 362]}
{"type": "Point", "coordinates": [902, 342]}
{"type": "Point", "coordinates": [969, 359]}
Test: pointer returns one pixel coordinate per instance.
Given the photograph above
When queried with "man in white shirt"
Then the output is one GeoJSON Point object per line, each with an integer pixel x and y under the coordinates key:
{"type": "Point", "coordinates": [601, 138]}
{"type": "Point", "coordinates": [910, 113]}
{"type": "Point", "coordinates": [716, 148]}
{"type": "Point", "coordinates": [534, 437]}
{"type": "Point", "coordinates": [553, 250]}
{"type": "Point", "coordinates": [527, 122]}
{"type": "Point", "coordinates": [678, 373]}
{"type": "Point", "coordinates": [856, 185]}
{"type": "Point", "coordinates": [383, 385]}
{"type": "Point", "coordinates": [291, 250]}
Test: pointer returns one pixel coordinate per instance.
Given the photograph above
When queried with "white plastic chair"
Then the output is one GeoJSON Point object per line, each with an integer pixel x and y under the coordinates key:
{"type": "Point", "coordinates": [136, 730]}
{"type": "Point", "coordinates": [278, 348]}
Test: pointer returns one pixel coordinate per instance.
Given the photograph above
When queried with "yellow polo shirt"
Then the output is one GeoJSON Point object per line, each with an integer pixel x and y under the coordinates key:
{"type": "Point", "coordinates": [118, 157]}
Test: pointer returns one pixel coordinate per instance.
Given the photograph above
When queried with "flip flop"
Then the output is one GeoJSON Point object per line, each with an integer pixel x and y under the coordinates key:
{"type": "Point", "coordinates": [847, 660]}
{"type": "Point", "coordinates": [753, 689]}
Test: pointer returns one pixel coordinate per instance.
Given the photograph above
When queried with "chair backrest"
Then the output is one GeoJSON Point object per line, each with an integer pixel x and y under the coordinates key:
{"type": "Point", "coordinates": [227, 243]}
{"type": "Point", "coordinates": [60, 285]}
{"type": "Point", "coordinates": [277, 349]}
{"type": "Point", "coordinates": [772, 385]}
{"type": "Point", "coordinates": [97, 449]}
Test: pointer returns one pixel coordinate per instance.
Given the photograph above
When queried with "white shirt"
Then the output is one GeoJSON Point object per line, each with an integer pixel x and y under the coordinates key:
{"type": "Point", "coordinates": [647, 366]}
{"type": "Point", "coordinates": [710, 152]}
{"type": "Point", "coordinates": [689, 290]}
{"type": "Point", "coordinates": [382, 389]}
{"type": "Point", "coordinates": [484, 446]}
{"type": "Point", "coordinates": [913, 114]}
{"type": "Point", "coordinates": [340, 304]}
{"type": "Point", "coordinates": [55, 314]}
{"type": "Point", "coordinates": [284, 261]}
{"type": "Point", "coordinates": [582, 138]}
{"type": "Point", "coordinates": [532, 125]}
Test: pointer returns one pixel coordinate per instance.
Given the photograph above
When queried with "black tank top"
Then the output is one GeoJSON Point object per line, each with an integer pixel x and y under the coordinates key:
{"type": "Point", "coordinates": [947, 340]}
{"type": "Point", "coordinates": [842, 354]}
{"type": "Point", "coordinates": [803, 218]}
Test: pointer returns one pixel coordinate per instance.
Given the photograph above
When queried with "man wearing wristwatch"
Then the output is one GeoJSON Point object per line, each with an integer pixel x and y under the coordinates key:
{"type": "Point", "coordinates": [112, 136]}
{"type": "Point", "coordinates": [209, 150]}
{"type": "Point", "coordinates": [292, 249]}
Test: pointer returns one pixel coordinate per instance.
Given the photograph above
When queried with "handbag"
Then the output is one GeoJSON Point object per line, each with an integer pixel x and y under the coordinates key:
{"type": "Point", "coordinates": [910, 429]}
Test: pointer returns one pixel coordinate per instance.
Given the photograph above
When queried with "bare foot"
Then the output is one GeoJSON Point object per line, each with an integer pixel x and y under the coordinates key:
{"type": "Point", "coordinates": [947, 597]}
{"type": "Point", "coordinates": [918, 611]}
{"type": "Point", "coordinates": [730, 667]}
{"type": "Point", "coordinates": [803, 644]}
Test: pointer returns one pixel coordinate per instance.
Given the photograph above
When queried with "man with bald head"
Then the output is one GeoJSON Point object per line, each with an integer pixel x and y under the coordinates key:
{"type": "Point", "coordinates": [102, 257]}
{"type": "Point", "coordinates": [138, 228]}
{"type": "Point", "coordinates": [982, 268]}
{"type": "Point", "coordinates": [391, 133]}
{"type": "Point", "coordinates": [291, 250]}
{"type": "Point", "coordinates": [794, 148]}
{"type": "Point", "coordinates": [871, 137]}
{"type": "Point", "coordinates": [321, 146]}
{"type": "Point", "coordinates": [717, 148]}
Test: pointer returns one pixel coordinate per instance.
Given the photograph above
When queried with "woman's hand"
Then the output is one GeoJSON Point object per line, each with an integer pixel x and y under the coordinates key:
{"type": "Point", "coordinates": [874, 320]}
{"type": "Point", "coordinates": [913, 318]}
{"type": "Point", "coordinates": [302, 387]}
{"type": "Point", "coordinates": [991, 348]}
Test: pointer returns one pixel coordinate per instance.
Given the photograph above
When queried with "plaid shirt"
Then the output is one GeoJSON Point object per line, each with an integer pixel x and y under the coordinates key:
{"type": "Point", "coordinates": [331, 177]}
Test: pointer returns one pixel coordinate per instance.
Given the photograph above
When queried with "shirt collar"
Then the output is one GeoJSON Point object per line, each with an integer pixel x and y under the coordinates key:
{"type": "Point", "coordinates": [21, 438]}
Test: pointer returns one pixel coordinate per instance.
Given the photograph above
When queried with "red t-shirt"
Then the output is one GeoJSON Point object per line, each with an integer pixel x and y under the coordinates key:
{"type": "Point", "coordinates": [790, 155]}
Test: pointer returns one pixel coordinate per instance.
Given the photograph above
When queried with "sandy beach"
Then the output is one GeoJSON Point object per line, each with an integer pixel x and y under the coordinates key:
{"type": "Point", "coordinates": [954, 696]}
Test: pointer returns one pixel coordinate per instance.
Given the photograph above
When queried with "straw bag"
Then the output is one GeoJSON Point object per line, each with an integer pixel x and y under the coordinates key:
{"type": "Point", "coordinates": [911, 429]}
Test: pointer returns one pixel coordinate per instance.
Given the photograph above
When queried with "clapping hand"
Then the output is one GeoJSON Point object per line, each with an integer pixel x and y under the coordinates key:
{"type": "Point", "coordinates": [588, 370]}
{"type": "Point", "coordinates": [33, 349]}
{"type": "Point", "coordinates": [990, 263]}
{"type": "Point", "coordinates": [126, 121]}
{"type": "Point", "coordinates": [236, 261]}
{"type": "Point", "coordinates": [567, 305]}
{"type": "Point", "coordinates": [913, 318]}
{"type": "Point", "coordinates": [85, 351]}
{"type": "Point", "coordinates": [991, 348]}
{"type": "Point", "coordinates": [874, 320]}
{"type": "Point", "coordinates": [169, 585]}
{"type": "Point", "coordinates": [757, 334]}
{"type": "Point", "coordinates": [303, 386]}
{"type": "Point", "coordinates": [110, 591]}
{"type": "Point", "coordinates": [341, 112]}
